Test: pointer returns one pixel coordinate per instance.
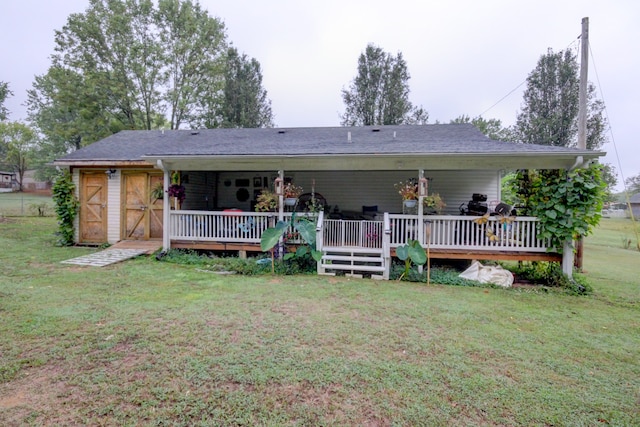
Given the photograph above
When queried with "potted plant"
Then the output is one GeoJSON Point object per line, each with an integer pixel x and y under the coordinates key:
{"type": "Point", "coordinates": [433, 204]}
{"type": "Point", "coordinates": [408, 190]}
{"type": "Point", "coordinates": [267, 201]}
{"type": "Point", "coordinates": [291, 192]}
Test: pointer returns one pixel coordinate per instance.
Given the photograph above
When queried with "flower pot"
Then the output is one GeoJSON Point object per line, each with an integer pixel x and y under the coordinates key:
{"type": "Point", "coordinates": [290, 201]}
{"type": "Point", "coordinates": [410, 203]}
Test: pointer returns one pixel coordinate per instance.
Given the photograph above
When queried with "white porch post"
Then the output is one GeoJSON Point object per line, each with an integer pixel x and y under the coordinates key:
{"type": "Point", "coordinates": [166, 208]}
{"type": "Point", "coordinates": [567, 258]}
{"type": "Point", "coordinates": [280, 194]}
{"type": "Point", "coordinates": [421, 193]}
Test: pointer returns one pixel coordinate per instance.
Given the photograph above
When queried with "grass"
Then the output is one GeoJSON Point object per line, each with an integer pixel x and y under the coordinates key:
{"type": "Point", "coordinates": [151, 343]}
{"type": "Point", "coordinates": [19, 204]}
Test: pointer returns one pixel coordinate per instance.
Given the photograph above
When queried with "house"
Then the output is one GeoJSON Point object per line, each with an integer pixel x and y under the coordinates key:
{"type": "Point", "coordinates": [634, 203]}
{"type": "Point", "coordinates": [7, 180]}
{"type": "Point", "coordinates": [352, 168]}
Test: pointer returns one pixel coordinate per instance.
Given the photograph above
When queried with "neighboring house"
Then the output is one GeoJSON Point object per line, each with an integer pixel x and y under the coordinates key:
{"type": "Point", "coordinates": [634, 202]}
{"type": "Point", "coordinates": [352, 168]}
{"type": "Point", "coordinates": [30, 183]}
{"type": "Point", "coordinates": [7, 180]}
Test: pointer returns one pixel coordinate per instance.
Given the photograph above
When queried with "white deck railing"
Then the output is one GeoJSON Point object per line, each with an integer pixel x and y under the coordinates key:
{"type": "Point", "coordinates": [440, 231]}
{"type": "Point", "coordinates": [469, 232]}
{"type": "Point", "coordinates": [356, 233]}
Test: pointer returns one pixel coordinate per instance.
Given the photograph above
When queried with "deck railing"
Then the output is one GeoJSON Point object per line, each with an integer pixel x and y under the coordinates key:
{"type": "Point", "coordinates": [470, 232]}
{"type": "Point", "coordinates": [356, 233]}
{"type": "Point", "coordinates": [440, 231]}
{"type": "Point", "coordinates": [225, 226]}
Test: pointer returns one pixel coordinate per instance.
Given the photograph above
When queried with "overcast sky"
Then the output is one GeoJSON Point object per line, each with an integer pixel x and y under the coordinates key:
{"type": "Point", "coordinates": [463, 56]}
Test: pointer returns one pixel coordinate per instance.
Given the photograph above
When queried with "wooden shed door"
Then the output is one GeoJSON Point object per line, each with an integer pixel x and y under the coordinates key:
{"type": "Point", "coordinates": [93, 207]}
{"type": "Point", "coordinates": [142, 213]}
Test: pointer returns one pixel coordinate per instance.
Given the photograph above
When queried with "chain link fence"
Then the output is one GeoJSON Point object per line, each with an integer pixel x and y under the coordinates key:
{"type": "Point", "coordinates": [25, 204]}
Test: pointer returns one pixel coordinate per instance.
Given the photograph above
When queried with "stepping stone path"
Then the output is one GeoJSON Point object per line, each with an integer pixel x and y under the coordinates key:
{"type": "Point", "coordinates": [106, 257]}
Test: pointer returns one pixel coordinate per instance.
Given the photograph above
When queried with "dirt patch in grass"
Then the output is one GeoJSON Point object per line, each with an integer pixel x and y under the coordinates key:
{"type": "Point", "coordinates": [38, 392]}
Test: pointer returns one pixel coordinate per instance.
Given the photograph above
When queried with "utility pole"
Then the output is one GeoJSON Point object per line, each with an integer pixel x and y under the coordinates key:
{"type": "Point", "coordinates": [582, 114]}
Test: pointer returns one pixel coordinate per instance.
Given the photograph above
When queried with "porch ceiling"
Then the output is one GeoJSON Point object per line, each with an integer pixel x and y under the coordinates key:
{"type": "Point", "coordinates": [374, 162]}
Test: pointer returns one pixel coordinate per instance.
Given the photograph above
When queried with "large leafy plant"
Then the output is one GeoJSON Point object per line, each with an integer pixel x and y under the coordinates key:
{"type": "Point", "coordinates": [411, 252]}
{"type": "Point", "coordinates": [567, 203]}
{"type": "Point", "coordinates": [305, 228]}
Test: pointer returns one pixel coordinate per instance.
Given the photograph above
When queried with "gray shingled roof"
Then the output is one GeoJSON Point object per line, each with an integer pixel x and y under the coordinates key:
{"type": "Point", "coordinates": [425, 139]}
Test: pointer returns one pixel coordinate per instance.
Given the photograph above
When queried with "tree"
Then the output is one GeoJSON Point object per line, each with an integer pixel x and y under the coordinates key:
{"type": "Point", "coordinates": [5, 92]}
{"type": "Point", "coordinates": [379, 94]}
{"type": "Point", "coordinates": [194, 47]}
{"type": "Point", "coordinates": [135, 63]}
{"type": "Point", "coordinates": [633, 184]}
{"type": "Point", "coordinates": [245, 102]}
{"type": "Point", "coordinates": [17, 142]}
{"type": "Point", "coordinates": [490, 127]}
{"type": "Point", "coordinates": [549, 113]}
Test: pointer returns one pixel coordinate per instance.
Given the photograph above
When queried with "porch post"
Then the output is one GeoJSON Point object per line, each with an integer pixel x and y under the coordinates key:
{"type": "Point", "coordinates": [280, 195]}
{"type": "Point", "coordinates": [166, 208]}
{"type": "Point", "coordinates": [567, 258]}
{"type": "Point", "coordinates": [421, 193]}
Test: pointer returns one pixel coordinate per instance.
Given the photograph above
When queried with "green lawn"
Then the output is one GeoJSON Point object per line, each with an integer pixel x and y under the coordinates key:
{"type": "Point", "coordinates": [151, 343]}
{"type": "Point", "coordinates": [20, 204]}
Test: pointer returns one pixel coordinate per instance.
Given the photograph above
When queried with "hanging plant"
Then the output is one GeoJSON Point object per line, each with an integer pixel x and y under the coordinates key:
{"type": "Point", "coordinates": [177, 191]}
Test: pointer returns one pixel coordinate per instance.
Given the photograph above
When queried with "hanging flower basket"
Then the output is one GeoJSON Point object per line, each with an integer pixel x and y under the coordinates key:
{"type": "Point", "coordinates": [410, 203]}
{"type": "Point", "coordinates": [290, 201]}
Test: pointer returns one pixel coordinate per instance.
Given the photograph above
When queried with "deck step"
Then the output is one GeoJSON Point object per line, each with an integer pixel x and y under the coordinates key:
{"type": "Point", "coordinates": [349, 267]}
{"type": "Point", "coordinates": [351, 250]}
{"type": "Point", "coordinates": [352, 258]}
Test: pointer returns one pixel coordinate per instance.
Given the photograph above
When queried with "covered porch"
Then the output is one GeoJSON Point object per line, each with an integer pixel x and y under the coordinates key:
{"type": "Point", "coordinates": [366, 246]}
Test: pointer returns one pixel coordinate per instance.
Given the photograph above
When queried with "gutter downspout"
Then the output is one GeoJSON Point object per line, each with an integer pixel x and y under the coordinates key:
{"type": "Point", "coordinates": [166, 207]}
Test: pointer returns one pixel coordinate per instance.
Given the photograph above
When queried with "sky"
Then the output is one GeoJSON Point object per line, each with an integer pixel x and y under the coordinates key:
{"type": "Point", "coordinates": [465, 57]}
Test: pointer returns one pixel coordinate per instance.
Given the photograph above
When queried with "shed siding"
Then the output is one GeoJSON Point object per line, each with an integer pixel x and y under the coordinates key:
{"type": "Point", "coordinates": [114, 195]}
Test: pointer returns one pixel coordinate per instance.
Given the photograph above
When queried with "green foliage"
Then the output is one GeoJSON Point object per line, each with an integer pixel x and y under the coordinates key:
{"type": "Point", "coordinates": [245, 100]}
{"type": "Point", "coordinates": [305, 228]}
{"type": "Point", "coordinates": [379, 94]}
{"type": "Point", "coordinates": [568, 204]}
{"type": "Point", "coordinates": [549, 114]}
{"type": "Point", "coordinates": [5, 92]}
{"type": "Point", "coordinates": [411, 252]}
{"type": "Point", "coordinates": [490, 127]}
{"type": "Point", "coordinates": [40, 209]}
{"type": "Point", "coordinates": [267, 201]}
{"type": "Point", "coordinates": [66, 207]}
{"type": "Point", "coordinates": [633, 184]}
{"type": "Point", "coordinates": [550, 274]}
{"type": "Point", "coordinates": [17, 145]}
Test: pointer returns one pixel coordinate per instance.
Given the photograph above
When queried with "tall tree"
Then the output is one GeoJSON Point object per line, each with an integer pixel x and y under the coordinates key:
{"type": "Point", "coordinates": [549, 113]}
{"type": "Point", "coordinates": [5, 92]}
{"type": "Point", "coordinates": [379, 94]}
{"type": "Point", "coordinates": [138, 62]}
{"type": "Point", "coordinates": [17, 142]}
{"type": "Point", "coordinates": [194, 55]}
{"type": "Point", "coordinates": [245, 102]}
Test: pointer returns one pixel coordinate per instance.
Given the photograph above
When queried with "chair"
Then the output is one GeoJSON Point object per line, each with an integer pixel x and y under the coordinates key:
{"type": "Point", "coordinates": [369, 212]}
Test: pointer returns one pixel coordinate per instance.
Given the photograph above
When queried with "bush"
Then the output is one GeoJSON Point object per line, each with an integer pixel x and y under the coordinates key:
{"type": "Point", "coordinates": [246, 266]}
{"type": "Point", "coordinates": [550, 274]}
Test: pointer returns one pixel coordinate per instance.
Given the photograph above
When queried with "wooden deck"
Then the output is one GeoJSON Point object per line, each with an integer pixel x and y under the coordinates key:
{"type": "Point", "coordinates": [150, 246]}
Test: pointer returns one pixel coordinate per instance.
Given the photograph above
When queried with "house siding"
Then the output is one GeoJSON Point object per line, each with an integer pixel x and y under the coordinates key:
{"type": "Point", "coordinates": [349, 191]}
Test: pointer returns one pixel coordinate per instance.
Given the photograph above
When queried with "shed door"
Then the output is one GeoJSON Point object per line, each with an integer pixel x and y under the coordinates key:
{"type": "Point", "coordinates": [142, 213]}
{"type": "Point", "coordinates": [93, 207]}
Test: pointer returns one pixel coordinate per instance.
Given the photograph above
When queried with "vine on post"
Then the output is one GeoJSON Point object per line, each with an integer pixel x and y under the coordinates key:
{"type": "Point", "coordinates": [567, 203]}
{"type": "Point", "coordinates": [66, 207]}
